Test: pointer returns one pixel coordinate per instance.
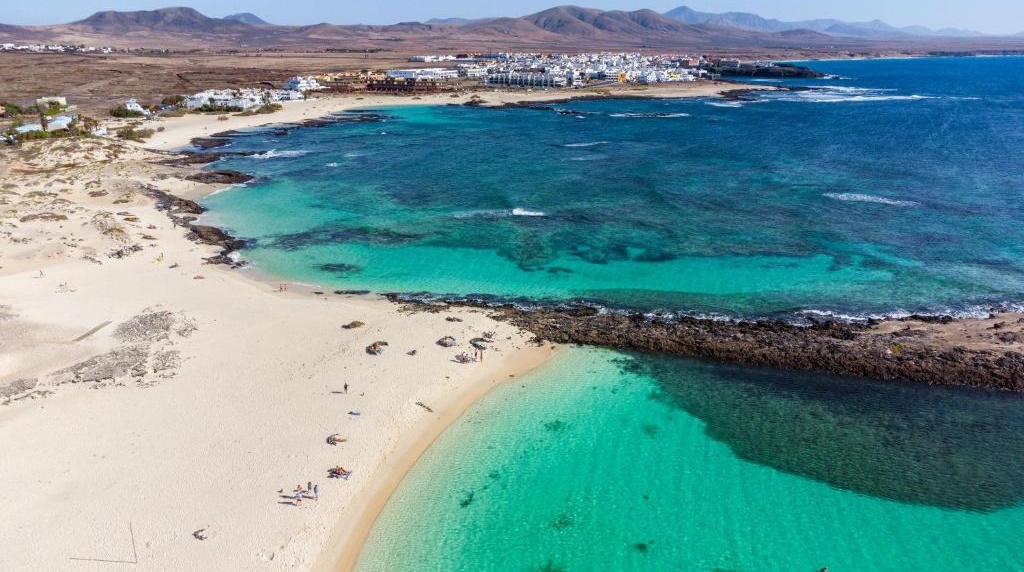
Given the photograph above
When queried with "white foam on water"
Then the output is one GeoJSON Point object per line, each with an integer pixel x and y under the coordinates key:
{"type": "Point", "coordinates": [226, 189]}
{"type": "Point", "coordinates": [832, 98]}
{"type": "Point", "coordinates": [590, 144]}
{"type": "Point", "coordinates": [649, 115]}
{"type": "Point", "coordinates": [976, 311]}
{"type": "Point", "coordinates": [723, 104]}
{"type": "Point", "coordinates": [845, 94]}
{"type": "Point", "coordinates": [275, 154]}
{"type": "Point", "coordinates": [862, 198]}
{"type": "Point", "coordinates": [524, 212]}
{"type": "Point", "coordinates": [332, 165]}
{"type": "Point", "coordinates": [498, 213]}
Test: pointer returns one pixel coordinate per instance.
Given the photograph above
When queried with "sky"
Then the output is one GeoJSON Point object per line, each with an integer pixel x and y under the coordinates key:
{"type": "Point", "coordinates": [990, 16]}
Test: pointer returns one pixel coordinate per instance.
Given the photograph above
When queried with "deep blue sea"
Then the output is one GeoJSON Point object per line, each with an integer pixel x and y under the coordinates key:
{"type": "Point", "coordinates": [894, 187]}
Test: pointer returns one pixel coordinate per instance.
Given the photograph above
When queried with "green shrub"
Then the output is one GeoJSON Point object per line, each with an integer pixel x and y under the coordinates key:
{"type": "Point", "coordinates": [173, 100]}
{"type": "Point", "coordinates": [263, 110]}
{"type": "Point", "coordinates": [133, 133]}
{"type": "Point", "coordinates": [218, 109]}
{"type": "Point", "coordinates": [123, 112]}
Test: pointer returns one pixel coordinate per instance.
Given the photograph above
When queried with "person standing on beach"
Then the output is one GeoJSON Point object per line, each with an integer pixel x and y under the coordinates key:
{"type": "Point", "coordinates": [298, 498]}
{"type": "Point", "coordinates": [309, 487]}
{"type": "Point", "coordinates": [316, 492]}
{"type": "Point", "coordinates": [346, 388]}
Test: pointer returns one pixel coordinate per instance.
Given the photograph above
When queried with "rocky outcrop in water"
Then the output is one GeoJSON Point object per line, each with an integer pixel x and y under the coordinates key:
{"type": "Point", "coordinates": [777, 71]}
{"type": "Point", "coordinates": [834, 347]}
{"type": "Point", "coordinates": [223, 177]}
{"type": "Point", "coordinates": [879, 350]}
{"type": "Point", "coordinates": [183, 212]}
{"type": "Point", "coordinates": [205, 143]}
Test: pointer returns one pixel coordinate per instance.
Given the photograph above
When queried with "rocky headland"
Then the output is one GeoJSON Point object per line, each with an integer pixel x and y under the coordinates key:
{"type": "Point", "coordinates": [924, 349]}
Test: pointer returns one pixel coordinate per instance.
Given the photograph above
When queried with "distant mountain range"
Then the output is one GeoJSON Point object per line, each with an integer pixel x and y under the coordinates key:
{"type": "Point", "coordinates": [875, 29]}
{"type": "Point", "coordinates": [561, 27]}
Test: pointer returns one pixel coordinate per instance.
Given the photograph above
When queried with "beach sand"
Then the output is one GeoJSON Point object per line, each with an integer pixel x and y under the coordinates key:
{"type": "Point", "coordinates": [150, 400]}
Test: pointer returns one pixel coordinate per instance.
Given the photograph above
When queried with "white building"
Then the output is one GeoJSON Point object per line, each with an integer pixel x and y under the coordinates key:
{"type": "Point", "coordinates": [432, 58]}
{"type": "Point", "coordinates": [286, 95]}
{"type": "Point", "coordinates": [425, 73]}
{"type": "Point", "coordinates": [133, 105]}
{"type": "Point", "coordinates": [527, 80]}
{"type": "Point", "coordinates": [226, 98]}
{"type": "Point", "coordinates": [299, 83]}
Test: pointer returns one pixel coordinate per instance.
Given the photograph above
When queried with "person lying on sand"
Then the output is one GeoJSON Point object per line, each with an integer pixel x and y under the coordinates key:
{"type": "Point", "coordinates": [339, 472]}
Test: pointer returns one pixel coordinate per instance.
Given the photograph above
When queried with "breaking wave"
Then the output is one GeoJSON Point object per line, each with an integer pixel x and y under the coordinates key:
{"type": "Point", "coordinates": [498, 213]}
{"type": "Point", "coordinates": [590, 144]}
{"type": "Point", "coordinates": [862, 198]}
{"type": "Point", "coordinates": [648, 115]}
{"type": "Point", "coordinates": [844, 94]}
{"type": "Point", "coordinates": [275, 154]}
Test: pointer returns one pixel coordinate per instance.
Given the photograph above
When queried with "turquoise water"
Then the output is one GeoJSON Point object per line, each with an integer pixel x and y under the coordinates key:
{"type": "Point", "coordinates": [894, 189]}
{"type": "Point", "coordinates": [606, 462]}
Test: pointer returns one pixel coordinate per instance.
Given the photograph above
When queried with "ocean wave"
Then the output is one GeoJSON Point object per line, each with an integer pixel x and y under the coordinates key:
{"type": "Point", "coordinates": [850, 89]}
{"type": "Point", "coordinates": [843, 94]}
{"type": "Point", "coordinates": [590, 144]}
{"type": "Point", "coordinates": [723, 103]}
{"type": "Point", "coordinates": [833, 98]}
{"type": "Point", "coordinates": [498, 213]}
{"type": "Point", "coordinates": [226, 189]}
{"type": "Point", "coordinates": [649, 115]}
{"type": "Point", "coordinates": [275, 154]}
{"type": "Point", "coordinates": [976, 311]}
{"type": "Point", "coordinates": [862, 198]}
{"type": "Point", "coordinates": [332, 165]}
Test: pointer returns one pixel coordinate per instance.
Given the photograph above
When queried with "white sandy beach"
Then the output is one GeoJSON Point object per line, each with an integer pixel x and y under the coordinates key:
{"type": "Point", "coordinates": [158, 410]}
{"type": "Point", "coordinates": [219, 397]}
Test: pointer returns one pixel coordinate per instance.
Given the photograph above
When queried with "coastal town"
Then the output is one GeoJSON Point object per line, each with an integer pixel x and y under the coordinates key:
{"type": "Point", "coordinates": [52, 115]}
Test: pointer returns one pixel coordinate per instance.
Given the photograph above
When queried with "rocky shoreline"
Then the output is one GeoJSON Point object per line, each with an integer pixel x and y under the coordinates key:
{"type": "Point", "coordinates": [922, 349]}
{"type": "Point", "coordinates": [184, 213]}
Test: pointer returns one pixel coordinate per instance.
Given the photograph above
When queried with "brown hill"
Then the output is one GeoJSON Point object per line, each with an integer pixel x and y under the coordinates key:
{"type": "Point", "coordinates": [175, 20]}
{"type": "Point", "coordinates": [503, 28]}
{"type": "Point", "coordinates": [587, 22]}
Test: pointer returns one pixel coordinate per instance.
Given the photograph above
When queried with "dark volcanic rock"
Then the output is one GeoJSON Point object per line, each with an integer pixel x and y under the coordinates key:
{"type": "Point", "coordinates": [172, 204]}
{"type": "Point", "coordinates": [205, 143]}
{"type": "Point", "coordinates": [777, 71]}
{"type": "Point", "coordinates": [832, 347]}
{"type": "Point", "coordinates": [219, 177]}
{"type": "Point", "coordinates": [188, 159]}
{"type": "Point", "coordinates": [215, 236]}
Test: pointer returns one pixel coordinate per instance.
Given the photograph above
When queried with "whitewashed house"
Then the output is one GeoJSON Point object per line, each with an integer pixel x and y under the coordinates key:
{"type": "Point", "coordinates": [299, 83]}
